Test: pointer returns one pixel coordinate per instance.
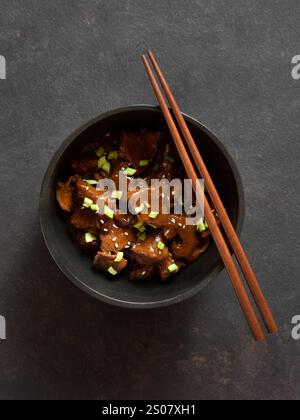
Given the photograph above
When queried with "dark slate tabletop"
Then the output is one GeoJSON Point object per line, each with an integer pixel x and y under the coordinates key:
{"type": "Point", "coordinates": [229, 63]}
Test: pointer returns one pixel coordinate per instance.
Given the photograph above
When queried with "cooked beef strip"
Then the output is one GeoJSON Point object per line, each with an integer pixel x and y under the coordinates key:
{"type": "Point", "coordinates": [137, 146]}
{"type": "Point", "coordinates": [198, 250]}
{"type": "Point", "coordinates": [141, 272]}
{"type": "Point", "coordinates": [85, 166]}
{"type": "Point", "coordinates": [115, 239]}
{"type": "Point", "coordinates": [83, 190]}
{"type": "Point", "coordinates": [65, 194]}
{"type": "Point", "coordinates": [125, 220]}
{"type": "Point", "coordinates": [163, 268]}
{"type": "Point", "coordinates": [188, 240]}
{"type": "Point", "coordinates": [147, 252]}
{"type": "Point", "coordinates": [89, 248]}
{"type": "Point", "coordinates": [103, 261]}
{"type": "Point", "coordinates": [84, 219]}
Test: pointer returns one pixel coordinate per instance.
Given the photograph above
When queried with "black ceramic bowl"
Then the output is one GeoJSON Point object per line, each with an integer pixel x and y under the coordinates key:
{"type": "Point", "coordinates": [78, 267]}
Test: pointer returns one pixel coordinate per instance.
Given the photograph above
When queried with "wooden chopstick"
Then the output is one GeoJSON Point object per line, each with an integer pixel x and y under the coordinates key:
{"type": "Point", "coordinates": [234, 276]}
{"type": "Point", "coordinates": [239, 252]}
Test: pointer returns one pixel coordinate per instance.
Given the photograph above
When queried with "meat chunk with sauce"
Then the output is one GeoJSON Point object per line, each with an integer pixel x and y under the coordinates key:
{"type": "Point", "coordinates": [115, 239]}
{"type": "Point", "coordinates": [142, 272]}
{"type": "Point", "coordinates": [138, 146]}
{"type": "Point", "coordinates": [147, 252]}
{"type": "Point", "coordinates": [85, 166]}
{"type": "Point", "coordinates": [103, 261]}
{"type": "Point", "coordinates": [65, 194]}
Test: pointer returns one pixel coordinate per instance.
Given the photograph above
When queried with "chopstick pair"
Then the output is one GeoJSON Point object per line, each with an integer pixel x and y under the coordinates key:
{"type": "Point", "coordinates": [238, 250]}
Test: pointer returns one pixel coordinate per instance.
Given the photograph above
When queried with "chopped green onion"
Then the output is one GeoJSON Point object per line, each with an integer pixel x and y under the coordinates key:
{"type": "Point", "coordinates": [91, 181]}
{"type": "Point", "coordinates": [161, 246]}
{"type": "Point", "coordinates": [100, 152]}
{"type": "Point", "coordinates": [112, 155]}
{"type": "Point", "coordinates": [106, 167]}
{"type": "Point", "coordinates": [119, 257]}
{"type": "Point", "coordinates": [112, 271]}
{"type": "Point", "coordinates": [169, 159]}
{"type": "Point", "coordinates": [201, 226]}
{"type": "Point", "coordinates": [206, 224]}
{"type": "Point", "coordinates": [142, 237]}
{"type": "Point", "coordinates": [117, 195]}
{"type": "Point", "coordinates": [153, 227]}
{"type": "Point", "coordinates": [103, 164]}
{"type": "Point", "coordinates": [87, 202]}
{"type": "Point", "coordinates": [139, 225]}
{"type": "Point", "coordinates": [142, 229]}
{"type": "Point", "coordinates": [94, 207]}
{"type": "Point", "coordinates": [168, 148]}
{"type": "Point", "coordinates": [173, 268]}
{"type": "Point", "coordinates": [156, 167]}
{"type": "Point", "coordinates": [130, 171]}
{"type": "Point", "coordinates": [144, 163]}
{"type": "Point", "coordinates": [89, 237]}
{"type": "Point", "coordinates": [153, 215]}
{"type": "Point", "coordinates": [108, 212]}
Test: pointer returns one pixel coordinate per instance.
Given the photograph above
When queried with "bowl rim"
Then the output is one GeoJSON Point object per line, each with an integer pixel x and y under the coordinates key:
{"type": "Point", "coordinates": [57, 257]}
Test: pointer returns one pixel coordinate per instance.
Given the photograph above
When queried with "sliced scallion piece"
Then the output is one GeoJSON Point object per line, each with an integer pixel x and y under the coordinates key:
{"type": "Point", "coordinates": [161, 246]}
{"type": "Point", "coordinates": [139, 225]}
{"type": "Point", "coordinates": [108, 212]}
{"type": "Point", "coordinates": [91, 181]}
{"type": "Point", "coordinates": [94, 207]}
{"type": "Point", "coordinates": [201, 226]}
{"type": "Point", "coordinates": [116, 195]}
{"type": "Point", "coordinates": [142, 229]}
{"type": "Point", "coordinates": [173, 268]}
{"type": "Point", "coordinates": [153, 227]}
{"type": "Point", "coordinates": [130, 171]}
{"type": "Point", "coordinates": [144, 163]}
{"type": "Point", "coordinates": [119, 257]}
{"type": "Point", "coordinates": [87, 202]}
{"type": "Point", "coordinates": [89, 238]}
{"type": "Point", "coordinates": [168, 147]}
{"type": "Point", "coordinates": [153, 215]}
{"type": "Point", "coordinates": [142, 237]}
{"type": "Point", "coordinates": [100, 152]}
{"type": "Point", "coordinates": [112, 155]}
{"type": "Point", "coordinates": [112, 271]}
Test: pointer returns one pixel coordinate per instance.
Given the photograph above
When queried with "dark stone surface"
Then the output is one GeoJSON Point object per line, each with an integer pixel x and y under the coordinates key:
{"type": "Point", "coordinates": [229, 63]}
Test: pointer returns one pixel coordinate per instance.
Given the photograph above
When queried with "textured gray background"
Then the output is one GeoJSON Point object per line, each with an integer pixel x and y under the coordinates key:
{"type": "Point", "coordinates": [229, 63]}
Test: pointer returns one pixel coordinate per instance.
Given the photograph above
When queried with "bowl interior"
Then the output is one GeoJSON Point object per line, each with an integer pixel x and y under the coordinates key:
{"type": "Point", "coordinates": [78, 268]}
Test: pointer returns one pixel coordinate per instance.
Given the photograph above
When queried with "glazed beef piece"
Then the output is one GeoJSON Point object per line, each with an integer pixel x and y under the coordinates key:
{"type": "Point", "coordinates": [197, 251]}
{"type": "Point", "coordinates": [65, 194]}
{"type": "Point", "coordinates": [163, 268]}
{"type": "Point", "coordinates": [147, 252]}
{"type": "Point", "coordinates": [142, 272]}
{"type": "Point", "coordinates": [89, 248]}
{"type": "Point", "coordinates": [138, 146]}
{"type": "Point", "coordinates": [103, 261]}
{"type": "Point", "coordinates": [185, 243]}
{"type": "Point", "coordinates": [85, 166]}
{"type": "Point", "coordinates": [83, 189]}
{"type": "Point", "coordinates": [85, 220]}
{"type": "Point", "coordinates": [125, 220]}
{"type": "Point", "coordinates": [115, 239]}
